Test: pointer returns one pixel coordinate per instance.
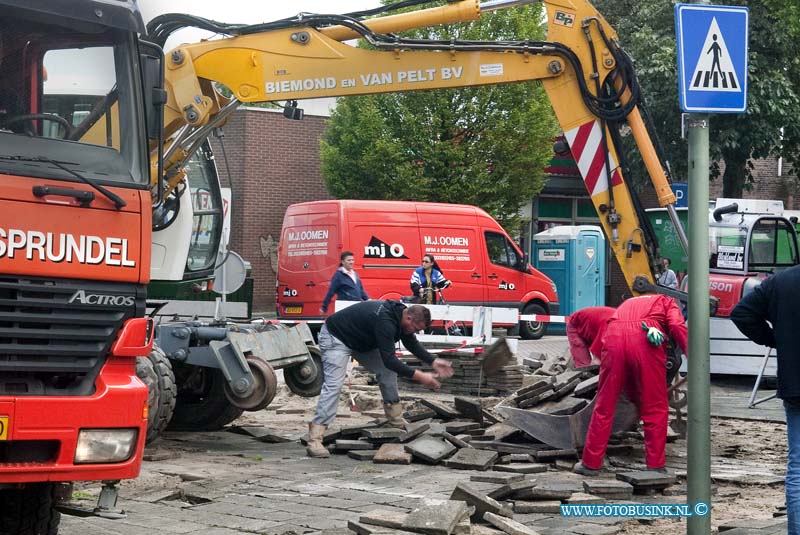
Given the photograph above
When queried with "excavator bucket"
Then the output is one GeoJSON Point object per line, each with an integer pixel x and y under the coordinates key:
{"type": "Point", "coordinates": [567, 432]}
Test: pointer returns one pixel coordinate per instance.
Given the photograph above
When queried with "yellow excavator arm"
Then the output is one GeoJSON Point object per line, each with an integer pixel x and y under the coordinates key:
{"type": "Point", "coordinates": [587, 76]}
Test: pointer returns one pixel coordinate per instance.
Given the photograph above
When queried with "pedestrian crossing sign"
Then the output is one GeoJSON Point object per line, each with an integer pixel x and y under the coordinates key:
{"type": "Point", "coordinates": [712, 58]}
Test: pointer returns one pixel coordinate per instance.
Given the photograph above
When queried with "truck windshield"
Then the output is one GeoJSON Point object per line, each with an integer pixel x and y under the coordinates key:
{"type": "Point", "coordinates": [73, 97]}
{"type": "Point", "coordinates": [773, 245]}
{"type": "Point", "coordinates": [726, 247]}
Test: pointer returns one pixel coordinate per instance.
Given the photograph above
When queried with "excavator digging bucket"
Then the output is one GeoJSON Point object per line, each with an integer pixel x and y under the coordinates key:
{"type": "Point", "coordinates": [496, 356]}
{"type": "Point", "coordinates": [567, 432]}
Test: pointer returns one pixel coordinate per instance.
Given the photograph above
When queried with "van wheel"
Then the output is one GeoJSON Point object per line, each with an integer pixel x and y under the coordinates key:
{"type": "Point", "coordinates": [532, 330]}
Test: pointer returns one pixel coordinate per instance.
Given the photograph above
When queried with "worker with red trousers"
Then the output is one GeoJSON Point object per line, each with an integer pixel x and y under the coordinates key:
{"type": "Point", "coordinates": [585, 329]}
{"type": "Point", "coordinates": [634, 354]}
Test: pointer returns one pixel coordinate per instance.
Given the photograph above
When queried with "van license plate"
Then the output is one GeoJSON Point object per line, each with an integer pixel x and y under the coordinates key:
{"type": "Point", "coordinates": [293, 310]}
{"type": "Point", "coordinates": [3, 427]}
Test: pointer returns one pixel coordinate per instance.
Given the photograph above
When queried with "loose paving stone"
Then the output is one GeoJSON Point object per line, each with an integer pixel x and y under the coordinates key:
{"type": "Point", "coordinates": [419, 414]}
{"type": "Point", "coordinates": [354, 431]}
{"type": "Point", "coordinates": [478, 529]}
{"type": "Point", "coordinates": [438, 517]}
{"type": "Point", "coordinates": [344, 445]}
{"type": "Point", "coordinates": [457, 427]}
{"type": "Point", "coordinates": [388, 518]}
{"type": "Point", "coordinates": [587, 387]}
{"type": "Point", "coordinates": [471, 459]}
{"type": "Point", "coordinates": [512, 527]}
{"type": "Point", "coordinates": [516, 458]}
{"type": "Point", "coordinates": [513, 489]}
{"type": "Point", "coordinates": [522, 468]}
{"type": "Point", "coordinates": [544, 506]}
{"type": "Point", "coordinates": [501, 478]}
{"type": "Point", "coordinates": [260, 433]}
{"type": "Point", "coordinates": [603, 487]}
{"type": "Point", "coordinates": [290, 410]}
{"type": "Point", "coordinates": [582, 497]}
{"type": "Point", "coordinates": [413, 431]}
{"type": "Point", "coordinates": [455, 441]}
{"type": "Point", "coordinates": [490, 417]}
{"type": "Point", "coordinates": [749, 523]}
{"type": "Point", "coordinates": [463, 528]}
{"type": "Point", "coordinates": [647, 480]}
{"type": "Point", "coordinates": [381, 435]}
{"type": "Point", "coordinates": [480, 501]}
{"type": "Point", "coordinates": [430, 449]}
{"type": "Point", "coordinates": [362, 455]}
{"type": "Point", "coordinates": [564, 407]}
{"type": "Point", "coordinates": [469, 407]}
{"type": "Point", "coordinates": [547, 455]}
{"type": "Point", "coordinates": [545, 492]}
{"type": "Point", "coordinates": [392, 454]}
{"type": "Point", "coordinates": [441, 409]}
{"type": "Point", "coordinates": [500, 431]}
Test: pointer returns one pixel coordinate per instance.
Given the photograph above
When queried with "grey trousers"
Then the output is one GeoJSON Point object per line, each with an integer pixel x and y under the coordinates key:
{"type": "Point", "coordinates": [335, 356]}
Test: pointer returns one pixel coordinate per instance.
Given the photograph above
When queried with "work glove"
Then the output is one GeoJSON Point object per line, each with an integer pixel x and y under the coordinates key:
{"type": "Point", "coordinates": [654, 335]}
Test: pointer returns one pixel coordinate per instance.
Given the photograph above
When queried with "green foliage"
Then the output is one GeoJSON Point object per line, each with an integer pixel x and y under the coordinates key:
{"type": "Point", "coordinates": [647, 32]}
{"type": "Point", "coordinates": [484, 146]}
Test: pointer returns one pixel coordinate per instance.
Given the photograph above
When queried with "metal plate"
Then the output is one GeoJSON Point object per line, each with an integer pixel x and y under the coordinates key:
{"type": "Point", "coordinates": [293, 310]}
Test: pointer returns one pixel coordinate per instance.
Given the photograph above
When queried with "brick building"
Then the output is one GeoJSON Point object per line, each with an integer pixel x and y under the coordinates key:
{"type": "Point", "coordinates": [274, 162]}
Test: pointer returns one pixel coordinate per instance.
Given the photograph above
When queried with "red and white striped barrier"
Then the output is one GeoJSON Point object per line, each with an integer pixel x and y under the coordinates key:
{"type": "Point", "coordinates": [544, 318]}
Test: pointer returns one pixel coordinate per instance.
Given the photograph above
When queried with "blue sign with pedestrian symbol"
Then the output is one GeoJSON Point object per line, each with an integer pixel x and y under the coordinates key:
{"type": "Point", "coordinates": [712, 58]}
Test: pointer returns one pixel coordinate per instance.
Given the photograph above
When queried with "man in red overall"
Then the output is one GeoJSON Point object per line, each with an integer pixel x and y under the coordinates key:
{"type": "Point", "coordinates": [634, 357]}
{"type": "Point", "coordinates": [585, 329]}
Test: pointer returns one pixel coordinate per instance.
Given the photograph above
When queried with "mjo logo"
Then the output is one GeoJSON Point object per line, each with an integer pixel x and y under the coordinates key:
{"type": "Point", "coordinates": [379, 249]}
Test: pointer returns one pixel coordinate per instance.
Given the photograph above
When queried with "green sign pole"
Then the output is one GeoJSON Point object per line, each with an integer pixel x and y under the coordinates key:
{"type": "Point", "coordinates": [699, 417]}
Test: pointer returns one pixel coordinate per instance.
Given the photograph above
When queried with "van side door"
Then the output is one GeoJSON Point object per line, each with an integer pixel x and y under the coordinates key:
{"type": "Point", "coordinates": [505, 283]}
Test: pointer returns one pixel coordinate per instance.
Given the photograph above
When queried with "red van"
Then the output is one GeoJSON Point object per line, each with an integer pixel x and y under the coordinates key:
{"type": "Point", "coordinates": [388, 239]}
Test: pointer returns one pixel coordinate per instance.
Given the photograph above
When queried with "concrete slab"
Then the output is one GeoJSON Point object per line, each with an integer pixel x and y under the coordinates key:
{"type": "Point", "coordinates": [392, 454]}
{"type": "Point", "coordinates": [362, 455]}
{"type": "Point", "coordinates": [539, 506]}
{"type": "Point", "coordinates": [388, 518]}
{"type": "Point", "coordinates": [413, 430]}
{"type": "Point", "coordinates": [471, 459]}
{"type": "Point", "coordinates": [501, 478]}
{"type": "Point", "coordinates": [522, 468]}
{"type": "Point", "coordinates": [436, 517]}
{"type": "Point", "coordinates": [430, 449]}
{"type": "Point", "coordinates": [512, 527]}
{"type": "Point", "coordinates": [456, 441]}
{"type": "Point", "coordinates": [480, 501]}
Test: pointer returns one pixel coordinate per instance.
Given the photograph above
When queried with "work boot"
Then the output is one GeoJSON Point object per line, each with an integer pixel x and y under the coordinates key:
{"type": "Point", "coordinates": [394, 413]}
{"type": "Point", "coordinates": [314, 448]}
{"type": "Point", "coordinates": [583, 470]}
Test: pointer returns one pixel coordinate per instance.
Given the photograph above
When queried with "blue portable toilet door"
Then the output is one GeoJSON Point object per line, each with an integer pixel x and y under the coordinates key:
{"type": "Point", "coordinates": [590, 264]}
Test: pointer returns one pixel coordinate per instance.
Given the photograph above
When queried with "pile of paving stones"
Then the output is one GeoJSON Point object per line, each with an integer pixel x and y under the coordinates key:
{"type": "Point", "coordinates": [565, 393]}
{"type": "Point", "coordinates": [515, 472]}
{"type": "Point", "coordinates": [468, 378]}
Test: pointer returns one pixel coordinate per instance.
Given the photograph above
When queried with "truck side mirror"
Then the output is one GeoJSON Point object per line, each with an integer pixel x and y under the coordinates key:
{"type": "Point", "coordinates": [151, 58]}
{"type": "Point", "coordinates": [151, 63]}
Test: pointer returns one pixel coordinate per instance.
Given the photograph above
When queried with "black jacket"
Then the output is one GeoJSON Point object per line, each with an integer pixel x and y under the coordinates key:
{"type": "Point", "coordinates": [775, 300]}
{"type": "Point", "coordinates": [373, 325]}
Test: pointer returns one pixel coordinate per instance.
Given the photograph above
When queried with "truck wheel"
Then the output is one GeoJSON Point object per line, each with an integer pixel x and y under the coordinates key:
{"type": "Point", "coordinates": [155, 371]}
{"type": "Point", "coordinates": [201, 404]}
{"type": "Point", "coordinates": [264, 389]}
{"type": "Point", "coordinates": [147, 374]}
{"type": "Point", "coordinates": [532, 330]}
{"type": "Point", "coordinates": [306, 379]}
{"type": "Point", "coordinates": [29, 511]}
{"type": "Point", "coordinates": [167, 392]}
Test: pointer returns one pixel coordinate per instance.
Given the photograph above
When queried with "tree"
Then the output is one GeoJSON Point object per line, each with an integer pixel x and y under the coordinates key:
{"type": "Point", "coordinates": [771, 126]}
{"type": "Point", "coordinates": [485, 146]}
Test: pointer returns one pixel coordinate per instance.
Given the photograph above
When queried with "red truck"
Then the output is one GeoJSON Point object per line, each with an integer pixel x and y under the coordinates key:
{"type": "Point", "coordinates": [75, 233]}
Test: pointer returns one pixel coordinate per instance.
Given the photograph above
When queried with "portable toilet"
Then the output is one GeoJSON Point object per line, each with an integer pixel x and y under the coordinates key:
{"type": "Point", "coordinates": [574, 257]}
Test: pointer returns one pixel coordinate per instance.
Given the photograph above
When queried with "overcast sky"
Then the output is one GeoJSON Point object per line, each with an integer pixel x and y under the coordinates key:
{"type": "Point", "coordinates": [244, 11]}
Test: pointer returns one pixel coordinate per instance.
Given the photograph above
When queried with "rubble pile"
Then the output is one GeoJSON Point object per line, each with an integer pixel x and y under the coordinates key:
{"type": "Point", "coordinates": [510, 471]}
